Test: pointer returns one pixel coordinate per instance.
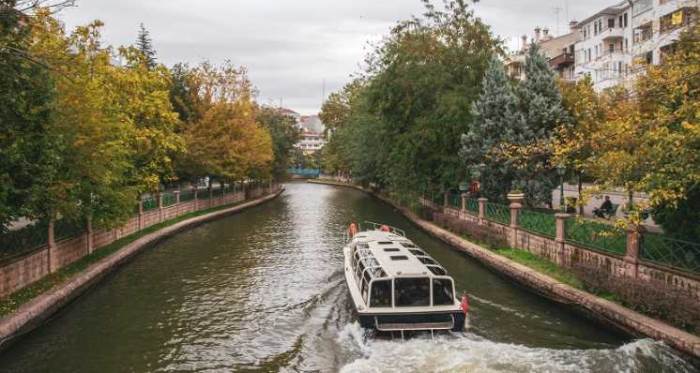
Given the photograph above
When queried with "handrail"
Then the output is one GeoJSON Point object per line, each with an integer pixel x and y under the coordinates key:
{"type": "Point", "coordinates": [377, 226]}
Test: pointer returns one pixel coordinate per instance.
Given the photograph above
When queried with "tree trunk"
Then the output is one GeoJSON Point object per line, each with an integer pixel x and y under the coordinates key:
{"type": "Point", "coordinates": [580, 194]}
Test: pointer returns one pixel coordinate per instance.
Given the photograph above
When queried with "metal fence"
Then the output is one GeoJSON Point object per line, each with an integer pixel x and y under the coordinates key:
{"type": "Point", "coordinates": [149, 203]}
{"type": "Point", "coordinates": [169, 199]}
{"type": "Point", "coordinates": [498, 213]}
{"type": "Point", "coordinates": [670, 252]}
{"type": "Point", "coordinates": [187, 195]}
{"type": "Point", "coordinates": [538, 223]}
{"type": "Point", "coordinates": [596, 236]}
{"type": "Point", "coordinates": [473, 206]}
{"type": "Point", "coordinates": [36, 235]}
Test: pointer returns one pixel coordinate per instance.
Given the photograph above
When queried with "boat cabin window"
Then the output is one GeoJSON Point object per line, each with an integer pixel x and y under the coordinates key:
{"type": "Point", "coordinates": [412, 292]}
{"type": "Point", "coordinates": [399, 257]}
{"type": "Point", "coordinates": [409, 245]}
{"type": "Point", "coordinates": [417, 252]}
{"type": "Point", "coordinates": [427, 260]}
{"type": "Point", "coordinates": [381, 294]}
{"type": "Point", "coordinates": [442, 292]}
{"type": "Point", "coordinates": [384, 243]}
{"type": "Point", "coordinates": [438, 271]}
{"type": "Point", "coordinates": [391, 250]}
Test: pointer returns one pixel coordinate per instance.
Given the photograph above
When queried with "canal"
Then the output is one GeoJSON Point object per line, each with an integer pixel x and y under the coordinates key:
{"type": "Point", "coordinates": [264, 291]}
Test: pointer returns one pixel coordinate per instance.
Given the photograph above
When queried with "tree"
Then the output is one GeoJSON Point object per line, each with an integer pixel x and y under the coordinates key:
{"type": "Point", "coordinates": [284, 134]}
{"type": "Point", "coordinates": [421, 82]}
{"type": "Point", "coordinates": [573, 144]}
{"type": "Point", "coordinates": [27, 94]}
{"type": "Point", "coordinates": [529, 150]}
{"type": "Point", "coordinates": [145, 45]}
{"type": "Point", "coordinates": [495, 119]}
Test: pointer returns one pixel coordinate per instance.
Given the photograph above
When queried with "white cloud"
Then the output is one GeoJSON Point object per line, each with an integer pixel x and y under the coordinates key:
{"type": "Point", "coordinates": [290, 47]}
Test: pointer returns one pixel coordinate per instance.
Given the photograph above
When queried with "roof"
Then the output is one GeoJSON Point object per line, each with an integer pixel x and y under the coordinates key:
{"type": "Point", "coordinates": [611, 10]}
{"type": "Point", "coordinates": [398, 256]}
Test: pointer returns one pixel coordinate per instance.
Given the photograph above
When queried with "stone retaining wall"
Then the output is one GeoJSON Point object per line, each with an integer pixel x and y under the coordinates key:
{"type": "Point", "coordinates": [31, 267]}
{"type": "Point", "coordinates": [36, 311]}
{"type": "Point", "coordinates": [605, 311]}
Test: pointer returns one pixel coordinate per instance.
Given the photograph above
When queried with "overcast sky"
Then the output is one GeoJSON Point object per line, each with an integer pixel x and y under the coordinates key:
{"type": "Point", "coordinates": [291, 47]}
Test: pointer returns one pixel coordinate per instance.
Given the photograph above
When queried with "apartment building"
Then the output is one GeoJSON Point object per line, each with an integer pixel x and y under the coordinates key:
{"type": "Point", "coordinates": [559, 51]}
{"type": "Point", "coordinates": [603, 51]}
{"type": "Point", "coordinates": [618, 41]}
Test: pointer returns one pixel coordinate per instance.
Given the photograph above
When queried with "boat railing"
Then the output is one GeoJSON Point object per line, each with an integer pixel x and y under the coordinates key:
{"type": "Point", "coordinates": [372, 226]}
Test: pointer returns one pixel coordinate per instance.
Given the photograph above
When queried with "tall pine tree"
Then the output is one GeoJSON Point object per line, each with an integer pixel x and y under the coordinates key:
{"type": "Point", "coordinates": [145, 45]}
{"type": "Point", "coordinates": [542, 111]}
{"type": "Point", "coordinates": [496, 119]}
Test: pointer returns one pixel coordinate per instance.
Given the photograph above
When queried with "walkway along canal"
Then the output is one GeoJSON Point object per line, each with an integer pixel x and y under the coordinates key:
{"type": "Point", "coordinates": [264, 290]}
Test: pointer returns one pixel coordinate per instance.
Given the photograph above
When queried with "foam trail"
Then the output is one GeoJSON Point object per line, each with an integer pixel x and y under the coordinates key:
{"type": "Point", "coordinates": [474, 354]}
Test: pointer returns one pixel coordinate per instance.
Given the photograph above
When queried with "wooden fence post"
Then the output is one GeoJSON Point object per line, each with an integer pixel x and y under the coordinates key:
{"type": "Point", "coordinates": [140, 214]}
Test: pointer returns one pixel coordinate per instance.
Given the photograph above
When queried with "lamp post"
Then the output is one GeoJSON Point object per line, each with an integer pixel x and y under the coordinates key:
{"type": "Point", "coordinates": [561, 170]}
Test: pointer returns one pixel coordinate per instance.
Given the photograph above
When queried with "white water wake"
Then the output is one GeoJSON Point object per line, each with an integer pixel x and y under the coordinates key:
{"type": "Point", "coordinates": [470, 353]}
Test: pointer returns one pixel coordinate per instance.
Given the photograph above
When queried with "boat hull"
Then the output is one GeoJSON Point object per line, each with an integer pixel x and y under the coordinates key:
{"type": "Point", "coordinates": [453, 321]}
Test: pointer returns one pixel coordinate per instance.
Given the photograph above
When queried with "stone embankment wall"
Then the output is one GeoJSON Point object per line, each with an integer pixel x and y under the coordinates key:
{"type": "Point", "coordinates": [564, 253]}
{"type": "Point", "coordinates": [24, 270]}
{"type": "Point", "coordinates": [560, 252]}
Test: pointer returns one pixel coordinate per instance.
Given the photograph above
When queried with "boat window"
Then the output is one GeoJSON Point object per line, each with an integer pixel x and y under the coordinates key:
{"type": "Point", "coordinates": [381, 294]}
{"type": "Point", "coordinates": [391, 250]}
{"type": "Point", "coordinates": [399, 257]}
{"type": "Point", "coordinates": [438, 271]}
{"type": "Point", "coordinates": [427, 260]}
{"type": "Point", "coordinates": [384, 243]}
{"type": "Point", "coordinates": [412, 292]}
{"type": "Point", "coordinates": [442, 292]}
{"type": "Point", "coordinates": [417, 252]}
{"type": "Point", "coordinates": [365, 284]}
{"type": "Point", "coordinates": [360, 269]}
{"type": "Point", "coordinates": [408, 245]}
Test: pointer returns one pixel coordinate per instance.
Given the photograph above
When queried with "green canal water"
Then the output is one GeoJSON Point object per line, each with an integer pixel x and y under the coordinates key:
{"type": "Point", "coordinates": [264, 291]}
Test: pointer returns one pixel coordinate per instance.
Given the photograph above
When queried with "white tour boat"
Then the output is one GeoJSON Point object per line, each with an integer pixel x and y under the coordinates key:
{"type": "Point", "coordinates": [396, 286]}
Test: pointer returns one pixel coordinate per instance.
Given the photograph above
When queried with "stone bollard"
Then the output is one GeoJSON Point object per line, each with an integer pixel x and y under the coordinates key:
{"type": "Point", "coordinates": [160, 207]}
{"type": "Point", "coordinates": [482, 210]}
{"type": "Point", "coordinates": [464, 202]}
{"type": "Point", "coordinates": [140, 214]}
{"type": "Point", "coordinates": [560, 237]}
{"type": "Point", "coordinates": [635, 234]}
{"type": "Point", "coordinates": [516, 204]}
{"type": "Point", "coordinates": [52, 248]}
{"type": "Point", "coordinates": [89, 236]}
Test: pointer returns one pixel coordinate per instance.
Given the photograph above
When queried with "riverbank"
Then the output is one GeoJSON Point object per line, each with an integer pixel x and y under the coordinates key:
{"type": "Point", "coordinates": [602, 309]}
{"type": "Point", "coordinates": [74, 280]}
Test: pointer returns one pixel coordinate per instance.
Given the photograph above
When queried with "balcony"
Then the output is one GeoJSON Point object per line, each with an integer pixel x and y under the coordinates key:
{"type": "Point", "coordinates": [615, 33]}
{"type": "Point", "coordinates": [562, 60]}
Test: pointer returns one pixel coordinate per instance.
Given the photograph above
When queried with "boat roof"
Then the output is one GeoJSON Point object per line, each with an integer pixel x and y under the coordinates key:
{"type": "Point", "coordinates": [396, 255]}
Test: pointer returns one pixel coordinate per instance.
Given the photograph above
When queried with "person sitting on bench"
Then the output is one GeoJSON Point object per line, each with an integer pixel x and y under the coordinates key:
{"type": "Point", "coordinates": [605, 210]}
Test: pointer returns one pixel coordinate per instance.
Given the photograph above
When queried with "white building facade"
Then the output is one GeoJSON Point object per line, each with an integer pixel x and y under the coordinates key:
{"type": "Point", "coordinates": [618, 41]}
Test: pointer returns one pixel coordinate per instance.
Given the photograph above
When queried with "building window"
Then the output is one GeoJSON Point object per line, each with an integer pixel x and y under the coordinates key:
{"type": "Point", "coordinates": [611, 22]}
{"type": "Point", "coordinates": [625, 19]}
{"type": "Point", "coordinates": [679, 18]}
{"type": "Point", "coordinates": [643, 33]}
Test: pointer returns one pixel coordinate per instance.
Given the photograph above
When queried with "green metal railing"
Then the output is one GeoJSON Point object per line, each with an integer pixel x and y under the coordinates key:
{"type": "Point", "coordinates": [498, 213]}
{"type": "Point", "coordinates": [666, 251]}
{"type": "Point", "coordinates": [169, 199]}
{"type": "Point", "coordinates": [150, 203]}
{"type": "Point", "coordinates": [36, 235]}
{"type": "Point", "coordinates": [473, 206]}
{"type": "Point", "coordinates": [186, 195]}
{"type": "Point", "coordinates": [538, 222]}
{"type": "Point", "coordinates": [596, 236]}
{"type": "Point", "coordinates": [455, 200]}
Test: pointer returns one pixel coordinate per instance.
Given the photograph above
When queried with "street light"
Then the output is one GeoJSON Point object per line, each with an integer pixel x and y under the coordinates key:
{"type": "Point", "coordinates": [561, 170]}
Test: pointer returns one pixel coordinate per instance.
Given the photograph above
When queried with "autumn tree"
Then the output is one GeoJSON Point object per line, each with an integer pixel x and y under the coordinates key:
{"type": "Point", "coordinates": [284, 134]}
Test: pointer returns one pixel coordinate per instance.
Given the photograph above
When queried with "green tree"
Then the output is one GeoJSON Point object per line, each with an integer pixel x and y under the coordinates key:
{"type": "Point", "coordinates": [496, 118]}
{"type": "Point", "coordinates": [26, 93]}
{"type": "Point", "coordinates": [145, 45]}
{"type": "Point", "coordinates": [284, 133]}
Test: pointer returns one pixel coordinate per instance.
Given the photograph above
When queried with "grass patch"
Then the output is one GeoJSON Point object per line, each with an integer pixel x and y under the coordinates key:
{"type": "Point", "coordinates": [541, 265]}
{"type": "Point", "coordinates": [12, 302]}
